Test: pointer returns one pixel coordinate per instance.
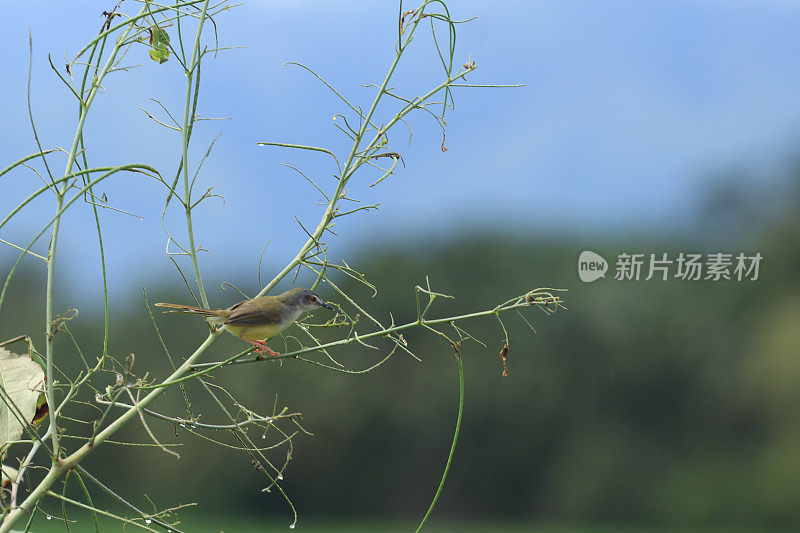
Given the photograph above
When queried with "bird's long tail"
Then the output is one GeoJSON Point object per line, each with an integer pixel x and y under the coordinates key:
{"type": "Point", "coordinates": [192, 310]}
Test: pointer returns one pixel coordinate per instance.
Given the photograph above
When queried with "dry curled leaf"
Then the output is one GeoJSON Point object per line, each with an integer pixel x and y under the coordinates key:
{"type": "Point", "coordinates": [22, 382]}
{"type": "Point", "coordinates": [42, 409]}
{"type": "Point", "coordinates": [9, 475]}
{"type": "Point", "coordinates": [503, 358]}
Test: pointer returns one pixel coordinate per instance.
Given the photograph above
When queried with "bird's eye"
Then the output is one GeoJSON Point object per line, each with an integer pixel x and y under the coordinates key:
{"type": "Point", "coordinates": [313, 299]}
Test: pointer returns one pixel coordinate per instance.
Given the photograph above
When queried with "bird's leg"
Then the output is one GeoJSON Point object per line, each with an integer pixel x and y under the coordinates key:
{"type": "Point", "coordinates": [265, 348]}
{"type": "Point", "coordinates": [259, 346]}
{"type": "Point", "coordinates": [271, 352]}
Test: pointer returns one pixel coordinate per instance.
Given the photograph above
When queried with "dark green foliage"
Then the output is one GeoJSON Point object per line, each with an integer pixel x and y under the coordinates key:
{"type": "Point", "coordinates": [665, 402]}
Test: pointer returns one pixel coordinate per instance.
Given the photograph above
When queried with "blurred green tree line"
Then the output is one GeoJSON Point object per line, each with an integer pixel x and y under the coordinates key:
{"type": "Point", "coordinates": [663, 402]}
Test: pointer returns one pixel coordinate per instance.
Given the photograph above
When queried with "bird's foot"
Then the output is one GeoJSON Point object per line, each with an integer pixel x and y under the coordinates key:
{"type": "Point", "coordinates": [259, 347]}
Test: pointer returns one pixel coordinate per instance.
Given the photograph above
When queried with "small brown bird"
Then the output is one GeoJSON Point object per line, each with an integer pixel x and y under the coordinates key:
{"type": "Point", "coordinates": [259, 319]}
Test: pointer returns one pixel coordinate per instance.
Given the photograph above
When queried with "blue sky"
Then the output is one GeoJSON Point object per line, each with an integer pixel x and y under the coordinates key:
{"type": "Point", "coordinates": [628, 110]}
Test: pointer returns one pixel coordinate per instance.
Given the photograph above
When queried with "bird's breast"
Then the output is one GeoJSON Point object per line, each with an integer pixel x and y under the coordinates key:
{"type": "Point", "coordinates": [260, 332]}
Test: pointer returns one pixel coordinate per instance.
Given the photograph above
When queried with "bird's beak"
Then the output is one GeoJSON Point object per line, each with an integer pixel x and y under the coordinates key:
{"type": "Point", "coordinates": [326, 305]}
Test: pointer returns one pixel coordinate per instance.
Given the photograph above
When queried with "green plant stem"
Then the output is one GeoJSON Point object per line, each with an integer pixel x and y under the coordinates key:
{"type": "Point", "coordinates": [82, 472]}
{"type": "Point", "coordinates": [349, 168]}
{"type": "Point", "coordinates": [76, 457]}
{"type": "Point", "coordinates": [132, 166]}
{"type": "Point", "coordinates": [187, 121]}
{"type": "Point", "coordinates": [51, 256]}
{"type": "Point", "coordinates": [24, 466]}
{"type": "Point", "coordinates": [58, 214]}
{"type": "Point", "coordinates": [145, 12]}
{"type": "Point", "coordinates": [27, 158]}
{"type": "Point", "coordinates": [355, 159]}
{"type": "Point", "coordinates": [56, 470]}
{"type": "Point", "coordinates": [194, 424]}
{"type": "Point", "coordinates": [89, 501]}
{"type": "Point", "coordinates": [349, 340]}
{"type": "Point", "coordinates": [33, 498]}
{"type": "Point", "coordinates": [452, 446]}
{"type": "Point", "coordinates": [100, 511]}
{"type": "Point", "coordinates": [94, 206]}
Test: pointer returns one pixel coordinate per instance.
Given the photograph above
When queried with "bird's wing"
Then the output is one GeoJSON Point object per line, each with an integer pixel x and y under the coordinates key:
{"type": "Point", "coordinates": [237, 304]}
{"type": "Point", "coordinates": [255, 312]}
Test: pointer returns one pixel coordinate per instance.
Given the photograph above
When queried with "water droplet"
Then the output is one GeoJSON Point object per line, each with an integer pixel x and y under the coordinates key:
{"type": "Point", "coordinates": [147, 521]}
{"type": "Point", "coordinates": [182, 425]}
{"type": "Point", "coordinates": [49, 517]}
{"type": "Point", "coordinates": [264, 436]}
{"type": "Point", "coordinates": [291, 526]}
{"type": "Point", "coordinates": [280, 476]}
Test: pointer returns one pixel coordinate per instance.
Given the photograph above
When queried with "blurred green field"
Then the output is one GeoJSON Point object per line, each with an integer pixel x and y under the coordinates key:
{"type": "Point", "coordinates": [667, 404]}
{"type": "Point", "coordinates": [251, 524]}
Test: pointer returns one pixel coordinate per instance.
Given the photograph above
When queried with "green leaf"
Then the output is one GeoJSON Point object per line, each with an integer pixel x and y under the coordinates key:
{"type": "Point", "coordinates": [159, 40]}
{"type": "Point", "coordinates": [161, 56]}
{"type": "Point", "coordinates": [159, 37]}
{"type": "Point", "coordinates": [22, 382]}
